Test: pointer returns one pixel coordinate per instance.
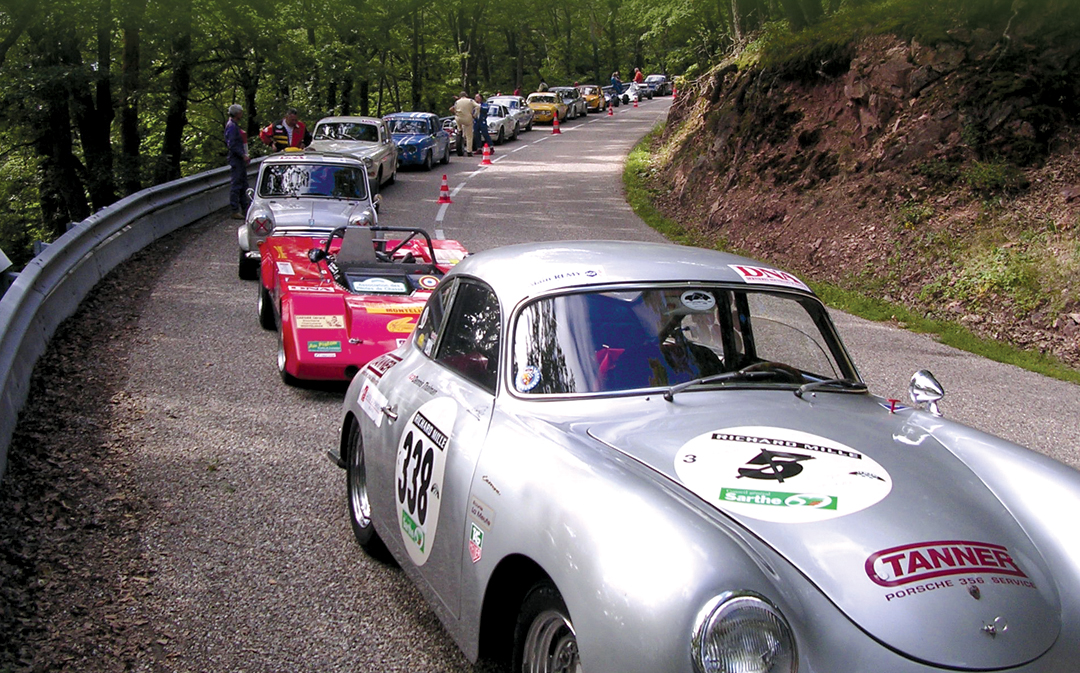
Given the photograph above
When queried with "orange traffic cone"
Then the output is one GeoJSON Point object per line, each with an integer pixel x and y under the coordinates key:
{"type": "Point", "coordinates": [444, 191]}
{"type": "Point", "coordinates": [555, 125]}
{"type": "Point", "coordinates": [610, 110]}
{"type": "Point", "coordinates": [635, 102]}
{"type": "Point", "coordinates": [487, 156]}
{"type": "Point", "coordinates": [673, 93]}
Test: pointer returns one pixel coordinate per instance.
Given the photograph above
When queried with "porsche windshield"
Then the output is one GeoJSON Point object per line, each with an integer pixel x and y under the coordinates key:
{"type": "Point", "coordinates": [660, 336]}
{"type": "Point", "coordinates": [307, 180]}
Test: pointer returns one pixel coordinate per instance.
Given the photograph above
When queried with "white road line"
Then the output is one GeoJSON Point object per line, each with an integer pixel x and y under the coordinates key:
{"type": "Point", "coordinates": [439, 233]}
{"type": "Point", "coordinates": [442, 213]}
{"type": "Point", "coordinates": [457, 189]}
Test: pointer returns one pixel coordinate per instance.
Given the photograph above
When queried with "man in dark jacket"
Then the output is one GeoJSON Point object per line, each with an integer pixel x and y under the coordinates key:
{"type": "Point", "coordinates": [289, 132]}
{"type": "Point", "coordinates": [238, 159]}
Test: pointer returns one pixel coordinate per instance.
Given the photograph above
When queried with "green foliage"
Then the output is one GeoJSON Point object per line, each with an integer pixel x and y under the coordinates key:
{"type": "Point", "coordinates": [988, 178]}
{"type": "Point", "coordinates": [912, 213]}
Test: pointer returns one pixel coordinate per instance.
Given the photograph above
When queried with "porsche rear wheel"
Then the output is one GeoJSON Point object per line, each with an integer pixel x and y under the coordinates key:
{"type": "Point", "coordinates": [544, 637]}
{"type": "Point", "coordinates": [267, 319]}
{"type": "Point", "coordinates": [359, 504]}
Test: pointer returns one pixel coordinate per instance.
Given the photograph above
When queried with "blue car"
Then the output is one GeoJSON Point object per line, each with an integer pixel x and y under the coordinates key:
{"type": "Point", "coordinates": [420, 138]}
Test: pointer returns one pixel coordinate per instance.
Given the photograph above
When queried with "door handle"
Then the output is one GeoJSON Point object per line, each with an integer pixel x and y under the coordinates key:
{"type": "Point", "coordinates": [390, 413]}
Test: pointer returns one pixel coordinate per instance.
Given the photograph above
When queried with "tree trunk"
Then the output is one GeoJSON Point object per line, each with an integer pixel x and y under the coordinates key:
{"type": "Point", "coordinates": [414, 63]}
{"type": "Point", "coordinates": [130, 173]}
{"type": "Point", "coordinates": [62, 196]}
{"type": "Point", "coordinates": [168, 166]}
{"type": "Point", "coordinates": [94, 112]}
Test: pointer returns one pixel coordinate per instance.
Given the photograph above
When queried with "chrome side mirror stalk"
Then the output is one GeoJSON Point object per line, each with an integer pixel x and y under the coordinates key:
{"type": "Point", "coordinates": [925, 389]}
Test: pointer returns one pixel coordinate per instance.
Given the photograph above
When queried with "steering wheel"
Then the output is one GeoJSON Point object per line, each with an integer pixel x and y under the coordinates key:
{"type": "Point", "coordinates": [777, 367]}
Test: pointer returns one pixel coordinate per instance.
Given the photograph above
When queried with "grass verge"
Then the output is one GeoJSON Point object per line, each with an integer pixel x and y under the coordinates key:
{"type": "Point", "coordinates": [641, 196]}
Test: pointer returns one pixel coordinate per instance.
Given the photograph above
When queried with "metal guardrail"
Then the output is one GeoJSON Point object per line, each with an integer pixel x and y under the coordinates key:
{"type": "Point", "coordinates": [53, 284]}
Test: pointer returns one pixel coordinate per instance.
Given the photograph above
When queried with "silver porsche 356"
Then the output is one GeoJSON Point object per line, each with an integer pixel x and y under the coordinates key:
{"type": "Point", "coordinates": [625, 457]}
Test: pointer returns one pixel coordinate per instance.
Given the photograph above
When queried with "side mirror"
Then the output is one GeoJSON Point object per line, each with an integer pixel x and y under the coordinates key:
{"type": "Point", "coordinates": [925, 389]}
{"type": "Point", "coordinates": [376, 202]}
{"type": "Point", "coordinates": [250, 194]}
{"type": "Point", "coordinates": [316, 255]}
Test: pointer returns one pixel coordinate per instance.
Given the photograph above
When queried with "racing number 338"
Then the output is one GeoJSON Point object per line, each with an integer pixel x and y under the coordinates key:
{"type": "Point", "coordinates": [421, 463]}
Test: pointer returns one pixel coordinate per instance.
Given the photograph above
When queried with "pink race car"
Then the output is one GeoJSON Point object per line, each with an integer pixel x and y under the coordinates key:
{"type": "Point", "coordinates": [339, 302]}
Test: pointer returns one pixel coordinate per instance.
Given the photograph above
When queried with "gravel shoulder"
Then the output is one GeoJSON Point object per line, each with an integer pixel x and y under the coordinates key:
{"type": "Point", "coordinates": [156, 515]}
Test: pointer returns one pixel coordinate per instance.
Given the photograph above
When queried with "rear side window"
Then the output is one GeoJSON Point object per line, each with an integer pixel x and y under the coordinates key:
{"type": "Point", "coordinates": [471, 336]}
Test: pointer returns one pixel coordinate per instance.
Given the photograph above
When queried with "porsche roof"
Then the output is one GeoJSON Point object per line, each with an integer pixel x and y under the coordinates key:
{"type": "Point", "coordinates": [520, 271]}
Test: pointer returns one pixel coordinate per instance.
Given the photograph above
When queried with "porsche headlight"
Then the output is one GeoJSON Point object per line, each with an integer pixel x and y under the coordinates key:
{"type": "Point", "coordinates": [741, 632]}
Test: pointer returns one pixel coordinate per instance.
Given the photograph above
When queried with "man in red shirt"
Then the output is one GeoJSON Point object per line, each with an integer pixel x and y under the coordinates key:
{"type": "Point", "coordinates": [289, 132]}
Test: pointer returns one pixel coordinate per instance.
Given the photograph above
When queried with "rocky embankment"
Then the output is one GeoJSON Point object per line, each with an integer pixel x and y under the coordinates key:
{"type": "Point", "coordinates": [945, 177]}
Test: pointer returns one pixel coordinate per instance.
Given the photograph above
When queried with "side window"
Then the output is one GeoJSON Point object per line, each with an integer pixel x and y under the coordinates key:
{"type": "Point", "coordinates": [429, 326]}
{"type": "Point", "coordinates": [470, 340]}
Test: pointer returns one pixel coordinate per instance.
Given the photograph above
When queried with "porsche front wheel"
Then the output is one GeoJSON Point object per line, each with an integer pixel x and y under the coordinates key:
{"type": "Point", "coordinates": [544, 638]}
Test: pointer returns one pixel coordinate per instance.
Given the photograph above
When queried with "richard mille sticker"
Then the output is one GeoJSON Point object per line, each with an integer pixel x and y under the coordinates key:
{"type": "Point", "coordinates": [780, 475]}
{"type": "Point", "coordinates": [421, 462]}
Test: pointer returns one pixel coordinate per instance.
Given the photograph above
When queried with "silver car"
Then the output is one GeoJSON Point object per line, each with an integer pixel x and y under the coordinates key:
{"type": "Point", "coordinates": [621, 457]}
{"type": "Point", "coordinates": [576, 105]}
{"type": "Point", "coordinates": [366, 138]}
{"type": "Point", "coordinates": [519, 110]}
{"type": "Point", "coordinates": [501, 125]}
{"type": "Point", "coordinates": [304, 194]}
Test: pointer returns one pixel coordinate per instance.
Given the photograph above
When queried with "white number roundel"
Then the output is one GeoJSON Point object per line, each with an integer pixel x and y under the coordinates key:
{"type": "Point", "coordinates": [421, 463]}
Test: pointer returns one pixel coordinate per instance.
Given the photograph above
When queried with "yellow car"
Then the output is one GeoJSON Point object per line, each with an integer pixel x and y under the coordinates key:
{"type": "Point", "coordinates": [594, 97]}
{"type": "Point", "coordinates": [546, 105]}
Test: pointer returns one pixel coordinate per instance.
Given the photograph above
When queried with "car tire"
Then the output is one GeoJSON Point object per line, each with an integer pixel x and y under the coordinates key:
{"type": "Point", "coordinates": [544, 638]}
{"type": "Point", "coordinates": [377, 187]}
{"type": "Point", "coordinates": [286, 377]}
{"type": "Point", "coordinates": [267, 319]}
{"type": "Point", "coordinates": [446, 155]}
{"type": "Point", "coordinates": [393, 175]}
{"type": "Point", "coordinates": [501, 138]}
{"type": "Point", "coordinates": [356, 487]}
{"type": "Point", "coordinates": [460, 147]}
{"type": "Point", "coordinates": [247, 269]}
{"type": "Point", "coordinates": [528, 127]}
{"type": "Point", "coordinates": [429, 161]}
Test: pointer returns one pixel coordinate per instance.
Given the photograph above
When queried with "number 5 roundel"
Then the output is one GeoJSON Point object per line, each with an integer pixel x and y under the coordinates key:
{"type": "Point", "coordinates": [421, 463]}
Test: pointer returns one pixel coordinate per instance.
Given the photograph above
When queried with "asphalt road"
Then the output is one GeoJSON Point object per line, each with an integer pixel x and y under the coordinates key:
{"type": "Point", "coordinates": [255, 568]}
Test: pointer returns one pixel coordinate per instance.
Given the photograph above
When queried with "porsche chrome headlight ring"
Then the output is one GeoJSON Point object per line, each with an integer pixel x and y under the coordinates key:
{"type": "Point", "coordinates": [742, 632]}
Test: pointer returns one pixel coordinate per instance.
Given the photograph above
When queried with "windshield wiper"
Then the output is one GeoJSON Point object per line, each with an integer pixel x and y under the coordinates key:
{"type": "Point", "coordinates": [835, 385]}
{"type": "Point", "coordinates": [669, 395]}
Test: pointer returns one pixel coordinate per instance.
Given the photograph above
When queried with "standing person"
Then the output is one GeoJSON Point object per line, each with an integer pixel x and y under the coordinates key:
{"type": "Point", "coordinates": [543, 85]}
{"type": "Point", "coordinates": [288, 132]}
{"type": "Point", "coordinates": [616, 83]}
{"type": "Point", "coordinates": [465, 110]}
{"type": "Point", "coordinates": [638, 77]}
{"type": "Point", "coordinates": [238, 159]}
{"type": "Point", "coordinates": [480, 125]}
{"type": "Point", "coordinates": [517, 91]}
